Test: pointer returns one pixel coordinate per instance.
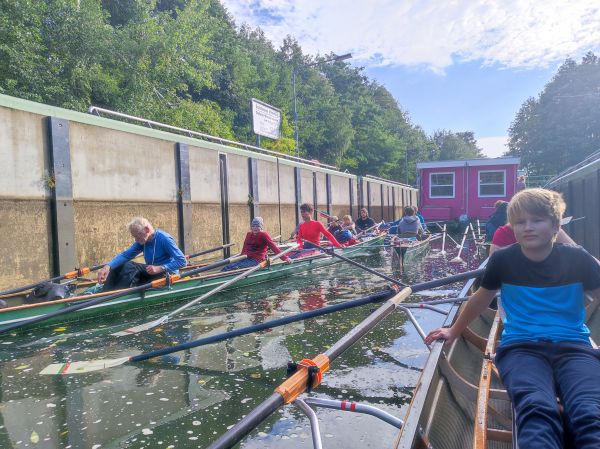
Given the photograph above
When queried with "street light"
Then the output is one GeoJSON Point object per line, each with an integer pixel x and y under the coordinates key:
{"type": "Point", "coordinates": [333, 59]}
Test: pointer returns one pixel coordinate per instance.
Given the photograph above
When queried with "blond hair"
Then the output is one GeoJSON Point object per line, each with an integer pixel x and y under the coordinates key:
{"type": "Point", "coordinates": [541, 202]}
{"type": "Point", "coordinates": [347, 217]}
{"type": "Point", "coordinates": [137, 224]}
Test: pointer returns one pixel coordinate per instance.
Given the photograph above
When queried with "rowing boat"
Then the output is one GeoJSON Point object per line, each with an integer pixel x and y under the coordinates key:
{"type": "Point", "coordinates": [459, 401]}
{"type": "Point", "coordinates": [409, 249]}
{"type": "Point", "coordinates": [178, 290]}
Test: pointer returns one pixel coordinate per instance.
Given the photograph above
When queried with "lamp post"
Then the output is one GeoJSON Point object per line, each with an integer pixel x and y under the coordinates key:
{"type": "Point", "coordinates": [295, 112]}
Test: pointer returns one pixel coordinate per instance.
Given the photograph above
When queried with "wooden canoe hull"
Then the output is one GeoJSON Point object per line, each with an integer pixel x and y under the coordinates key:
{"type": "Point", "coordinates": [185, 288]}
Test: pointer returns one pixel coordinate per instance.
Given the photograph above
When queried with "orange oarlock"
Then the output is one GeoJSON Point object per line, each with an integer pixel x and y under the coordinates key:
{"type": "Point", "coordinates": [77, 273]}
{"type": "Point", "coordinates": [296, 384]}
{"type": "Point", "coordinates": [163, 281]}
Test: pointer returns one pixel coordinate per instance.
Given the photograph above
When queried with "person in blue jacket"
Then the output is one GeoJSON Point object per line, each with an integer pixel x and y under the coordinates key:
{"type": "Point", "coordinates": [161, 255]}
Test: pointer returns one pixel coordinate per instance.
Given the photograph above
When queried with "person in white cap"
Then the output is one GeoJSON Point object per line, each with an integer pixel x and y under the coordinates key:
{"type": "Point", "coordinates": [255, 247]}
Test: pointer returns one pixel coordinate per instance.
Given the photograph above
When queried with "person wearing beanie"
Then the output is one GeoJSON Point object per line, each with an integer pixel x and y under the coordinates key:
{"type": "Point", "coordinates": [256, 243]}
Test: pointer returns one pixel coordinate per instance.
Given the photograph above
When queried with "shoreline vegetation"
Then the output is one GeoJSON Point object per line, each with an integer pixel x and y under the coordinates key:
{"type": "Point", "coordinates": [187, 63]}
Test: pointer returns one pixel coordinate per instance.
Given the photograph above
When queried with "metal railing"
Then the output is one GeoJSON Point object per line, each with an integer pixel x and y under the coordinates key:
{"type": "Point", "coordinates": [377, 178]}
{"type": "Point", "coordinates": [152, 124]}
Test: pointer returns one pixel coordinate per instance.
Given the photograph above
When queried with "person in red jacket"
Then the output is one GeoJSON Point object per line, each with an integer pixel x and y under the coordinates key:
{"type": "Point", "coordinates": [311, 231]}
{"type": "Point", "coordinates": [255, 247]}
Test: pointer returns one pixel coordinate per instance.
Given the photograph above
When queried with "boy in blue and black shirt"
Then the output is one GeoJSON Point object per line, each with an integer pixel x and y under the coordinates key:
{"type": "Point", "coordinates": [545, 351]}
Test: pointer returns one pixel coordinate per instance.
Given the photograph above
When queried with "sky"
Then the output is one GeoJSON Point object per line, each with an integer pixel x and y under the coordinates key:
{"type": "Point", "coordinates": [460, 65]}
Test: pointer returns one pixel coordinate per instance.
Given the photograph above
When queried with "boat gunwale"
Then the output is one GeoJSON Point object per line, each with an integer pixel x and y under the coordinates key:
{"type": "Point", "coordinates": [411, 430]}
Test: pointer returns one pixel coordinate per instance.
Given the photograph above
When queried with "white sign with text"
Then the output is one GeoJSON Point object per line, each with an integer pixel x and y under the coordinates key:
{"type": "Point", "coordinates": [266, 120]}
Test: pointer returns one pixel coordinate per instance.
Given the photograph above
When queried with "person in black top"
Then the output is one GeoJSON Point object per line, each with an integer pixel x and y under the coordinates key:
{"type": "Point", "coordinates": [364, 222]}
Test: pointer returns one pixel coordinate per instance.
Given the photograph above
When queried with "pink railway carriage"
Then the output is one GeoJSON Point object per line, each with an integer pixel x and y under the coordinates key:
{"type": "Point", "coordinates": [449, 189]}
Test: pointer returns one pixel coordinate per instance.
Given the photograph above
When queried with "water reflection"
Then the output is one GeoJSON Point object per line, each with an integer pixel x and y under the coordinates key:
{"type": "Point", "coordinates": [187, 399]}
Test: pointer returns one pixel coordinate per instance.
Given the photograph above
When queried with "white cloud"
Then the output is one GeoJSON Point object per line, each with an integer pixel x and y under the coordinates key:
{"type": "Point", "coordinates": [431, 33]}
{"type": "Point", "coordinates": [493, 146]}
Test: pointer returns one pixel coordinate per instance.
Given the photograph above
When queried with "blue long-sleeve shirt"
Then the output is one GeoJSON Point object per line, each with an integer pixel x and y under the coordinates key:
{"type": "Point", "coordinates": [161, 250]}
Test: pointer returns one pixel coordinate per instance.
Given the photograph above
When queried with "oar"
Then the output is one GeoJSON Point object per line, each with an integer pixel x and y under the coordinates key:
{"type": "Point", "coordinates": [163, 319]}
{"type": "Point", "coordinates": [473, 232]}
{"type": "Point", "coordinates": [324, 214]}
{"type": "Point", "coordinates": [462, 244]}
{"type": "Point", "coordinates": [297, 383]}
{"type": "Point", "coordinates": [570, 219]}
{"type": "Point", "coordinates": [86, 366]}
{"type": "Point", "coordinates": [443, 251]}
{"type": "Point", "coordinates": [70, 275]}
{"type": "Point", "coordinates": [369, 229]}
{"type": "Point", "coordinates": [92, 302]}
{"type": "Point", "coordinates": [210, 250]}
{"type": "Point", "coordinates": [449, 236]}
{"type": "Point", "coordinates": [331, 252]}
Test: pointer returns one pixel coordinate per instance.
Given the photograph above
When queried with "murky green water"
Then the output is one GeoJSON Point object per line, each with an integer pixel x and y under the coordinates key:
{"type": "Point", "coordinates": [188, 399]}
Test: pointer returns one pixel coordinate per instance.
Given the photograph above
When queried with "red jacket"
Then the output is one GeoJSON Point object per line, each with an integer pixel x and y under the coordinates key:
{"type": "Point", "coordinates": [312, 230]}
{"type": "Point", "coordinates": [255, 246]}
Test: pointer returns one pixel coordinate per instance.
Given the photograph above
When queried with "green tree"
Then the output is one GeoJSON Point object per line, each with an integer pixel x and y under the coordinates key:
{"type": "Point", "coordinates": [455, 146]}
{"type": "Point", "coordinates": [562, 125]}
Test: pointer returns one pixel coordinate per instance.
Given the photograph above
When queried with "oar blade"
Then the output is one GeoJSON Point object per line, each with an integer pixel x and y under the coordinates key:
{"type": "Point", "coordinates": [81, 367]}
{"type": "Point", "coordinates": [141, 327]}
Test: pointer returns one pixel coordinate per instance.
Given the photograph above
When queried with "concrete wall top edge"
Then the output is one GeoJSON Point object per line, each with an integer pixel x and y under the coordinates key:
{"type": "Point", "coordinates": [54, 111]}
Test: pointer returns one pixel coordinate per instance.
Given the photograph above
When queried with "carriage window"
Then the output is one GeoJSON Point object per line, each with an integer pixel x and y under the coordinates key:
{"type": "Point", "coordinates": [492, 183]}
{"type": "Point", "coordinates": [441, 185]}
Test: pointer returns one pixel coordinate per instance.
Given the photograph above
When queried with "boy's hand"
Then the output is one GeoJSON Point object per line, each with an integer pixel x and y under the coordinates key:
{"type": "Point", "coordinates": [442, 333]}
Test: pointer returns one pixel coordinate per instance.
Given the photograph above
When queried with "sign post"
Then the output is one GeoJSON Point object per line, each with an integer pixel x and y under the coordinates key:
{"type": "Point", "coordinates": [266, 120]}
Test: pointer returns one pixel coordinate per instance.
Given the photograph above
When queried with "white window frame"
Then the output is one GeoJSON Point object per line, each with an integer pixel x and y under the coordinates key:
{"type": "Point", "coordinates": [488, 184]}
{"type": "Point", "coordinates": [443, 185]}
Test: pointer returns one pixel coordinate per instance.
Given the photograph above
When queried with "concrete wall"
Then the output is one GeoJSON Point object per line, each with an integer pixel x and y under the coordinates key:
{"type": "Point", "coordinates": [288, 198]}
{"type": "Point", "coordinates": [340, 195]}
{"type": "Point", "coordinates": [24, 191]}
{"type": "Point", "coordinates": [120, 170]}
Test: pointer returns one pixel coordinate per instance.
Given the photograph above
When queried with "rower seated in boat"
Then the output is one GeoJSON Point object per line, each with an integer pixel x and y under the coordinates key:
{"type": "Point", "coordinates": [311, 231]}
{"type": "Point", "coordinates": [545, 350]}
{"type": "Point", "coordinates": [346, 235]}
{"type": "Point", "coordinates": [334, 224]}
{"type": "Point", "coordinates": [409, 225]}
{"type": "Point", "coordinates": [256, 243]}
{"type": "Point", "coordinates": [364, 222]}
{"type": "Point", "coordinates": [161, 255]}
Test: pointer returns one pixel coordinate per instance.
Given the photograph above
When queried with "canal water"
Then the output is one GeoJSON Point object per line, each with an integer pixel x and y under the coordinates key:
{"type": "Point", "coordinates": [188, 399]}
